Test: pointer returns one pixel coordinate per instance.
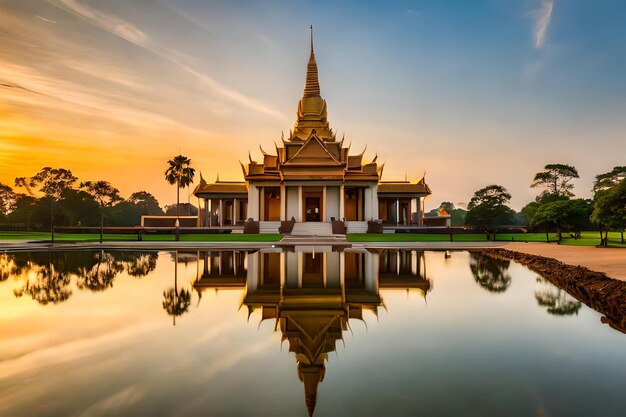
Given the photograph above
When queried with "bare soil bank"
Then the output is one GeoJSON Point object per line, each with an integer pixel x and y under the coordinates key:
{"type": "Point", "coordinates": [605, 295]}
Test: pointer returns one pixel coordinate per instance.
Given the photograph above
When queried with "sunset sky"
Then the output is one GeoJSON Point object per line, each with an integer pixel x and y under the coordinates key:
{"type": "Point", "coordinates": [472, 93]}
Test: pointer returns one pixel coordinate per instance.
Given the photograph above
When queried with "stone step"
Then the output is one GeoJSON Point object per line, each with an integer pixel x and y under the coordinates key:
{"type": "Point", "coordinates": [356, 227]}
{"type": "Point", "coordinates": [268, 227]}
{"type": "Point", "coordinates": [312, 229]}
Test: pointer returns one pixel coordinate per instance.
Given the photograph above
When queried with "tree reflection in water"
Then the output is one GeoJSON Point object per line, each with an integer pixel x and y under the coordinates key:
{"type": "Point", "coordinates": [46, 276]}
{"type": "Point", "coordinates": [6, 266]}
{"type": "Point", "coordinates": [557, 301]}
{"type": "Point", "coordinates": [176, 302]}
{"type": "Point", "coordinates": [100, 276]}
{"type": "Point", "coordinates": [139, 264]}
{"type": "Point", "coordinates": [490, 273]}
{"type": "Point", "coordinates": [46, 280]}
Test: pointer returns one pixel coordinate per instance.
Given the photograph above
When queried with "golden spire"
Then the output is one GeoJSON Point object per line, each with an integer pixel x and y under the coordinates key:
{"type": "Point", "coordinates": [312, 83]}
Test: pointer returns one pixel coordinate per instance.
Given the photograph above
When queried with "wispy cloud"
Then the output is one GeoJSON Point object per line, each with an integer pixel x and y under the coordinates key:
{"type": "Point", "coordinates": [542, 21]}
{"type": "Point", "coordinates": [111, 23]}
{"type": "Point", "coordinates": [133, 34]}
{"type": "Point", "coordinates": [43, 19]}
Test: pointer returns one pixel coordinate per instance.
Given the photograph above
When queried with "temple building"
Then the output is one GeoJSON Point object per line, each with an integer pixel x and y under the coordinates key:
{"type": "Point", "coordinates": [312, 177]}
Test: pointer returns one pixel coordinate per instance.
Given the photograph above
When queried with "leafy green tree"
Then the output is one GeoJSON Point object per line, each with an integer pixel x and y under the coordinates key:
{"type": "Point", "coordinates": [490, 273]}
{"type": "Point", "coordinates": [529, 210]}
{"type": "Point", "coordinates": [488, 208]}
{"type": "Point", "coordinates": [24, 210]}
{"type": "Point", "coordinates": [180, 173]}
{"type": "Point", "coordinates": [51, 182]}
{"type": "Point", "coordinates": [123, 213]}
{"type": "Point", "coordinates": [172, 209]}
{"type": "Point", "coordinates": [609, 209]}
{"type": "Point", "coordinates": [80, 208]}
{"type": "Point", "coordinates": [563, 215]}
{"type": "Point", "coordinates": [8, 199]}
{"type": "Point", "coordinates": [146, 203]}
{"type": "Point", "coordinates": [556, 181]}
{"type": "Point", "coordinates": [105, 194]}
{"type": "Point", "coordinates": [609, 179]}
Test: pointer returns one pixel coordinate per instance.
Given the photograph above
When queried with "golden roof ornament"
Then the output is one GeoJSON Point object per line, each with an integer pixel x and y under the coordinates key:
{"type": "Point", "coordinates": [312, 83]}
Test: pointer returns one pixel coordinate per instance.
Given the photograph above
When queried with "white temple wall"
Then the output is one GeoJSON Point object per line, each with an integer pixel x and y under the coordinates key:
{"type": "Point", "coordinates": [253, 203]}
{"type": "Point", "coordinates": [370, 200]}
{"type": "Point", "coordinates": [293, 205]}
{"type": "Point", "coordinates": [332, 203]}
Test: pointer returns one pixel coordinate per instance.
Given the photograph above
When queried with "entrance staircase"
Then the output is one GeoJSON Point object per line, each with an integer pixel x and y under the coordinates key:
{"type": "Point", "coordinates": [356, 227]}
{"type": "Point", "coordinates": [313, 234]}
{"type": "Point", "coordinates": [312, 229]}
{"type": "Point", "coordinates": [268, 227]}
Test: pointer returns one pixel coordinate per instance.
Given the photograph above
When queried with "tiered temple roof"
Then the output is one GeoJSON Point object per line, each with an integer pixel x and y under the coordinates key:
{"type": "Point", "coordinates": [312, 151]}
{"type": "Point", "coordinates": [400, 188]}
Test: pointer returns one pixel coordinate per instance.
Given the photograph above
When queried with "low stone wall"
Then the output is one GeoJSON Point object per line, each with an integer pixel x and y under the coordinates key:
{"type": "Point", "coordinates": [605, 295]}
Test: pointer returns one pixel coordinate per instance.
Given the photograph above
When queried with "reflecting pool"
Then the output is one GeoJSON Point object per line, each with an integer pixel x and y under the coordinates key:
{"type": "Point", "coordinates": [295, 332]}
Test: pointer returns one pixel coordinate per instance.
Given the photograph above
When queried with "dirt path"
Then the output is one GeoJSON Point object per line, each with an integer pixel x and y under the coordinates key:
{"type": "Point", "coordinates": [610, 261]}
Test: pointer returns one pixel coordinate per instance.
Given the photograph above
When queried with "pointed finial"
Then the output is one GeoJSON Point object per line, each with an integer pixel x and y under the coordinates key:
{"type": "Point", "coordinates": [406, 177]}
{"type": "Point", "coordinates": [312, 83]}
{"type": "Point", "coordinates": [218, 177]}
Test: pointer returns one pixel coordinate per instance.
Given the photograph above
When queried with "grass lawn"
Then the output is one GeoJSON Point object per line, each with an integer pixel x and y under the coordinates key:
{"type": "Point", "coordinates": [586, 239]}
{"type": "Point", "coordinates": [79, 237]}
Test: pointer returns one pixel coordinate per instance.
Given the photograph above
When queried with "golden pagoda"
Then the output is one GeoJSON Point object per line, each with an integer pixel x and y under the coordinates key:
{"type": "Point", "coordinates": [312, 178]}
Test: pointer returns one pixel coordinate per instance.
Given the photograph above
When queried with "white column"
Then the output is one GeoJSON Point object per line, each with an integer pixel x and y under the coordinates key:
{"type": "Point", "coordinates": [342, 202]}
{"type": "Point", "coordinates": [419, 212]}
{"type": "Point", "coordinates": [235, 211]}
{"type": "Point", "coordinates": [397, 211]}
{"type": "Point", "coordinates": [221, 213]}
{"type": "Point", "coordinates": [323, 213]}
{"type": "Point", "coordinates": [299, 218]}
{"type": "Point", "coordinates": [207, 212]}
{"type": "Point", "coordinates": [283, 203]}
{"type": "Point", "coordinates": [253, 203]}
{"type": "Point", "coordinates": [367, 203]}
{"type": "Point", "coordinates": [262, 203]}
{"type": "Point", "coordinates": [374, 195]}
{"type": "Point", "coordinates": [210, 202]}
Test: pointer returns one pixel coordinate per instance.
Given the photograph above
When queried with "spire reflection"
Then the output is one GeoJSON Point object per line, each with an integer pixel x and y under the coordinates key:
{"type": "Point", "coordinates": [312, 295]}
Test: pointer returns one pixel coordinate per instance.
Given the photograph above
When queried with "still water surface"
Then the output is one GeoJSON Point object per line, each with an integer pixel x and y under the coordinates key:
{"type": "Point", "coordinates": [271, 333]}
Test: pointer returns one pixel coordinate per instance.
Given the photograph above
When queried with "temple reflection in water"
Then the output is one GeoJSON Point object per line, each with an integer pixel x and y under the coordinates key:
{"type": "Point", "coordinates": [312, 293]}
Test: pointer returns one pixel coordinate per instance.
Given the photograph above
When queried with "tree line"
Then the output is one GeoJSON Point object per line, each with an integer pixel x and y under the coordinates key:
{"type": "Point", "coordinates": [555, 209]}
{"type": "Point", "coordinates": [54, 197]}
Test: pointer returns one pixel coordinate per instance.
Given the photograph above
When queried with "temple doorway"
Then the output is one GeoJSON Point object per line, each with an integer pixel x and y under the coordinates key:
{"type": "Point", "coordinates": [312, 205]}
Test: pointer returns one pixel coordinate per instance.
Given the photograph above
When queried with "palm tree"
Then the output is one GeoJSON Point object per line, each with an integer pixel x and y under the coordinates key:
{"type": "Point", "coordinates": [180, 173]}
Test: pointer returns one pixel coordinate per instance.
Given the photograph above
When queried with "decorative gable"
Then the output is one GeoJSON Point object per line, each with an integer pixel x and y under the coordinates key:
{"type": "Point", "coordinates": [313, 151]}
